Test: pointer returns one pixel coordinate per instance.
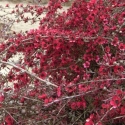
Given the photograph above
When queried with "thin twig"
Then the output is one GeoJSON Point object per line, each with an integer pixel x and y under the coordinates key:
{"type": "Point", "coordinates": [9, 114]}
{"type": "Point", "coordinates": [119, 117]}
{"type": "Point", "coordinates": [104, 115]}
{"type": "Point", "coordinates": [31, 99]}
{"type": "Point", "coordinates": [78, 118]}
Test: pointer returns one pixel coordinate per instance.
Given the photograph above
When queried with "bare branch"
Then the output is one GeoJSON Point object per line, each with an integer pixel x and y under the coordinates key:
{"type": "Point", "coordinates": [31, 74]}
{"type": "Point", "coordinates": [69, 97]}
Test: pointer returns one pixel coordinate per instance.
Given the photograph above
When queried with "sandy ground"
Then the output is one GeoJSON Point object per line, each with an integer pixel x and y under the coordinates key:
{"type": "Point", "coordinates": [19, 27]}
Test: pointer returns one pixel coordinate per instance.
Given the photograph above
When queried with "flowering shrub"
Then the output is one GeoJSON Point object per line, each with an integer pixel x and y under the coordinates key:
{"type": "Point", "coordinates": [72, 71]}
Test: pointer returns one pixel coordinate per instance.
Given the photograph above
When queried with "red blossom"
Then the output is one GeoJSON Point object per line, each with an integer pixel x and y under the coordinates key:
{"type": "Point", "coordinates": [42, 96]}
{"type": "Point", "coordinates": [115, 101]}
{"type": "Point", "coordinates": [73, 105]}
{"type": "Point", "coordinates": [48, 100]}
{"type": "Point", "coordinates": [81, 105]}
{"type": "Point", "coordinates": [122, 110]}
{"type": "Point", "coordinates": [43, 75]}
{"type": "Point", "coordinates": [7, 5]}
{"type": "Point", "coordinates": [86, 76]}
{"type": "Point", "coordinates": [86, 64]}
{"type": "Point", "coordinates": [90, 19]}
{"type": "Point", "coordinates": [9, 120]}
{"type": "Point", "coordinates": [115, 42]}
{"type": "Point", "coordinates": [22, 100]}
{"type": "Point", "coordinates": [59, 91]}
{"type": "Point", "coordinates": [32, 93]}
{"type": "Point", "coordinates": [105, 106]}
{"type": "Point", "coordinates": [118, 69]}
{"type": "Point", "coordinates": [122, 46]}
{"type": "Point", "coordinates": [89, 122]}
{"type": "Point", "coordinates": [83, 88]}
{"type": "Point", "coordinates": [2, 98]}
{"type": "Point", "coordinates": [107, 49]}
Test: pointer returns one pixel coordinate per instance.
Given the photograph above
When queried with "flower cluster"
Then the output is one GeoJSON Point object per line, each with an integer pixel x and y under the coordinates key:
{"type": "Point", "coordinates": [72, 70]}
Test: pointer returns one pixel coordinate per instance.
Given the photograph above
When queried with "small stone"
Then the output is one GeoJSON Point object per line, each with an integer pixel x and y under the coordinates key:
{"type": "Point", "coordinates": [107, 64]}
{"type": "Point", "coordinates": [121, 61]}
{"type": "Point", "coordinates": [115, 63]}
{"type": "Point", "coordinates": [120, 31]}
{"type": "Point", "coordinates": [11, 102]}
{"type": "Point", "coordinates": [23, 111]}
{"type": "Point", "coordinates": [104, 88]}
{"type": "Point", "coordinates": [32, 107]}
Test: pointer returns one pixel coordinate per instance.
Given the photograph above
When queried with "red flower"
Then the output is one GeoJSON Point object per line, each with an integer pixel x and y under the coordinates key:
{"type": "Point", "coordinates": [22, 100]}
{"type": "Point", "coordinates": [93, 1]}
{"type": "Point", "coordinates": [86, 76]}
{"type": "Point", "coordinates": [1, 98]}
{"type": "Point", "coordinates": [100, 40]}
{"type": "Point", "coordinates": [118, 69]}
{"type": "Point", "coordinates": [43, 75]}
{"type": "Point", "coordinates": [16, 86]}
{"type": "Point", "coordinates": [70, 88]}
{"type": "Point", "coordinates": [44, 44]}
{"type": "Point", "coordinates": [105, 106]}
{"type": "Point", "coordinates": [115, 101]}
{"type": "Point", "coordinates": [83, 88]}
{"type": "Point", "coordinates": [43, 96]}
{"type": "Point", "coordinates": [122, 112]}
{"type": "Point", "coordinates": [102, 70]}
{"type": "Point", "coordinates": [12, 49]}
{"type": "Point", "coordinates": [2, 47]}
{"type": "Point", "coordinates": [7, 89]}
{"type": "Point", "coordinates": [59, 91]}
{"type": "Point", "coordinates": [107, 49]}
{"type": "Point", "coordinates": [115, 42]}
{"type": "Point", "coordinates": [73, 105]}
{"type": "Point", "coordinates": [48, 100]}
{"type": "Point", "coordinates": [89, 122]}
{"type": "Point", "coordinates": [32, 93]}
{"type": "Point", "coordinates": [9, 120]}
{"type": "Point", "coordinates": [81, 104]}
{"type": "Point", "coordinates": [122, 46]}
{"type": "Point", "coordinates": [7, 5]}
{"type": "Point", "coordinates": [86, 64]}
{"type": "Point", "coordinates": [56, 45]}
{"type": "Point", "coordinates": [90, 19]}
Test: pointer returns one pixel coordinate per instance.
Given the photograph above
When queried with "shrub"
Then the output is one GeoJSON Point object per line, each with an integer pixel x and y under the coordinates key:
{"type": "Point", "coordinates": [72, 66]}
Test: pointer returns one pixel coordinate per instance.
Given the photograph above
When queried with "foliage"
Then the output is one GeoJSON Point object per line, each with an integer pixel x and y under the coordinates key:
{"type": "Point", "coordinates": [73, 69]}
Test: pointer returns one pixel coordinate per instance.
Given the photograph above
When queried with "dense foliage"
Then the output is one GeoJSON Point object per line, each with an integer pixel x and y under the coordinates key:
{"type": "Point", "coordinates": [73, 67]}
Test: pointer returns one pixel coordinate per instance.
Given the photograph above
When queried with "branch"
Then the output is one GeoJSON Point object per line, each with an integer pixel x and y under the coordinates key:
{"type": "Point", "coordinates": [104, 115]}
{"type": "Point", "coordinates": [100, 80]}
{"type": "Point", "coordinates": [31, 74]}
{"type": "Point", "coordinates": [119, 117]}
{"type": "Point", "coordinates": [69, 97]}
{"type": "Point", "coordinates": [84, 38]}
{"type": "Point", "coordinates": [9, 114]}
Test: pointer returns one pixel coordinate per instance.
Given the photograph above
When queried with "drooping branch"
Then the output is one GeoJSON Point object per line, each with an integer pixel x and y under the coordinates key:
{"type": "Point", "coordinates": [31, 74]}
